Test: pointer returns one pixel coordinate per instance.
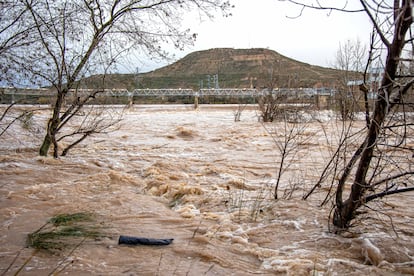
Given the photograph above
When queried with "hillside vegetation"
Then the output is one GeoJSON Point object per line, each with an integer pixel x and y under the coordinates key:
{"type": "Point", "coordinates": [235, 68]}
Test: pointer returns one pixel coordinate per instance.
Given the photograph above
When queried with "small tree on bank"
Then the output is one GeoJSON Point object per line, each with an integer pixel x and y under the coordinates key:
{"type": "Point", "coordinates": [70, 40]}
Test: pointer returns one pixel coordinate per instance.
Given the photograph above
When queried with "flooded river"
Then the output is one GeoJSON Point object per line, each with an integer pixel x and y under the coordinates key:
{"type": "Point", "coordinates": [206, 181]}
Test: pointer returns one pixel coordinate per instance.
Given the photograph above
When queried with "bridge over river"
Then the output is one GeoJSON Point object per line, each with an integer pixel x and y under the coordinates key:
{"type": "Point", "coordinates": [236, 92]}
{"type": "Point", "coordinates": [143, 96]}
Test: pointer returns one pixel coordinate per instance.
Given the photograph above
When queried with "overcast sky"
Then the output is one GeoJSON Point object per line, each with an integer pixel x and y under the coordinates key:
{"type": "Point", "coordinates": [313, 37]}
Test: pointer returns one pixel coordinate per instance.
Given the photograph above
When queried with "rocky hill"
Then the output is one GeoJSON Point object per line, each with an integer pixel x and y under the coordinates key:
{"type": "Point", "coordinates": [234, 68]}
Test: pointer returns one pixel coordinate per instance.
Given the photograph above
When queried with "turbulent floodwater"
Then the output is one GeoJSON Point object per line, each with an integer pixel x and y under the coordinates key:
{"type": "Point", "coordinates": [202, 179]}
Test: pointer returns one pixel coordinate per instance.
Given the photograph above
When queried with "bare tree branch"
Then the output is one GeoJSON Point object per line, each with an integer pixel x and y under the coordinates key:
{"type": "Point", "coordinates": [387, 193]}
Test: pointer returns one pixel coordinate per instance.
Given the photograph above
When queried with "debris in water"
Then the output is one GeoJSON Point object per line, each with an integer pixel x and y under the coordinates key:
{"type": "Point", "coordinates": [371, 253]}
{"type": "Point", "coordinates": [143, 241]}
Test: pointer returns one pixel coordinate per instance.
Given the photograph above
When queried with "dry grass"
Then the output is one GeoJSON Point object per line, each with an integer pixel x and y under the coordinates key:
{"type": "Point", "coordinates": [64, 231]}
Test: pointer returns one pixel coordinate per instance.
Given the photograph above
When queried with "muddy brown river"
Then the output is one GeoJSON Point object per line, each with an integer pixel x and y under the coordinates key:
{"type": "Point", "coordinates": [206, 181]}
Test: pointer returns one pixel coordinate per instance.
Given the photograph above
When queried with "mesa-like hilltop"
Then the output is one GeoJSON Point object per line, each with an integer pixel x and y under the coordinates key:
{"type": "Point", "coordinates": [234, 68]}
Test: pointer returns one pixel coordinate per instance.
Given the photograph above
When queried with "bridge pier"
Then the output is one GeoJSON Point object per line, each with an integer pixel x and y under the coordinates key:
{"type": "Point", "coordinates": [196, 102]}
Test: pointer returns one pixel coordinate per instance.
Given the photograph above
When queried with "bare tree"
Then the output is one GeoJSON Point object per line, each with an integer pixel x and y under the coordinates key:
{"type": "Point", "coordinates": [382, 163]}
{"type": "Point", "coordinates": [238, 112]}
{"type": "Point", "coordinates": [78, 38]}
{"type": "Point", "coordinates": [287, 136]}
{"type": "Point", "coordinates": [350, 59]}
{"type": "Point", "coordinates": [269, 104]}
{"type": "Point", "coordinates": [391, 94]}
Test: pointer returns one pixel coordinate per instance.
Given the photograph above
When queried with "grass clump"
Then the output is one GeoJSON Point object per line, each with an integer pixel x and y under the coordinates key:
{"type": "Point", "coordinates": [66, 219]}
{"type": "Point", "coordinates": [63, 231]}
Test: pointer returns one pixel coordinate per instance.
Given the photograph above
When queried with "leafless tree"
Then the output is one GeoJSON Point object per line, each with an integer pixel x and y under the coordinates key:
{"type": "Point", "coordinates": [350, 59]}
{"type": "Point", "coordinates": [288, 138]}
{"type": "Point", "coordinates": [238, 112]}
{"type": "Point", "coordinates": [382, 163]}
{"type": "Point", "coordinates": [74, 39]}
{"type": "Point", "coordinates": [269, 104]}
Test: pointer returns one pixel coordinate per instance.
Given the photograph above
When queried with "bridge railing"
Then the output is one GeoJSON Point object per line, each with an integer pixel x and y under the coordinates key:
{"type": "Point", "coordinates": [236, 92]}
{"type": "Point", "coordinates": [229, 92]}
{"type": "Point", "coordinates": [163, 92]}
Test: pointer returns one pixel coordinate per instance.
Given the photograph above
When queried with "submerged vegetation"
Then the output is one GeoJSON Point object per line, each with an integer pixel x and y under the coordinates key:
{"type": "Point", "coordinates": [65, 231]}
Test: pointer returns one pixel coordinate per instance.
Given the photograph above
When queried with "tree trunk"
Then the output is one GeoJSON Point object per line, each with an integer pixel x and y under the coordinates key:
{"type": "Point", "coordinates": [44, 149]}
{"type": "Point", "coordinates": [53, 127]}
{"type": "Point", "coordinates": [50, 137]}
